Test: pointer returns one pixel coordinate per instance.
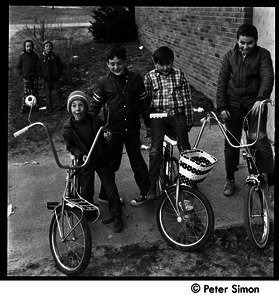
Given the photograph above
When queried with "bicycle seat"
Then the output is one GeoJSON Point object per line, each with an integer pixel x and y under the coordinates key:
{"type": "Point", "coordinates": [170, 137]}
{"type": "Point", "coordinates": [169, 140]}
{"type": "Point", "coordinates": [158, 115]}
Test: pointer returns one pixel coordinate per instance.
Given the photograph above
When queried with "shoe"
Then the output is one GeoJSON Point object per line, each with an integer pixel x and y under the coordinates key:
{"type": "Point", "coordinates": [151, 194]}
{"type": "Point", "coordinates": [139, 201]}
{"type": "Point", "coordinates": [229, 187]}
{"type": "Point", "coordinates": [105, 201]}
{"type": "Point", "coordinates": [118, 224]}
{"type": "Point", "coordinates": [107, 221]}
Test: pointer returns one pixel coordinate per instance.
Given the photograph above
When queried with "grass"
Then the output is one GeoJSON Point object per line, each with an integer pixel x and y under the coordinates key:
{"type": "Point", "coordinates": [27, 14]}
{"type": "Point", "coordinates": [81, 73]}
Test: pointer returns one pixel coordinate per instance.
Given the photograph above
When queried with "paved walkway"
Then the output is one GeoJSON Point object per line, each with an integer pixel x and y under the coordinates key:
{"type": "Point", "coordinates": [31, 186]}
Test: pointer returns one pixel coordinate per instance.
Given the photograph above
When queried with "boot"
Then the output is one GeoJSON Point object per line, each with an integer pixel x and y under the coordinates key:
{"type": "Point", "coordinates": [151, 194]}
{"type": "Point", "coordinates": [229, 187]}
{"type": "Point", "coordinates": [118, 224]}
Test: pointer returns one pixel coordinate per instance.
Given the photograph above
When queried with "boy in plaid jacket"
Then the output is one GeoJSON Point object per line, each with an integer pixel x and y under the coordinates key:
{"type": "Point", "coordinates": [169, 91]}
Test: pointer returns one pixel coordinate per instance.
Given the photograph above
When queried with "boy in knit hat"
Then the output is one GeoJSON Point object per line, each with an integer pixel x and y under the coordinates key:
{"type": "Point", "coordinates": [50, 68]}
{"type": "Point", "coordinates": [79, 132]}
{"type": "Point", "coordinates": [27, 68]}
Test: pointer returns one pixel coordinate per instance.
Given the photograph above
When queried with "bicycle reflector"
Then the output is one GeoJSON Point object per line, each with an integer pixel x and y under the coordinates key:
{"type": "Point", "coordinates": [30, 100]}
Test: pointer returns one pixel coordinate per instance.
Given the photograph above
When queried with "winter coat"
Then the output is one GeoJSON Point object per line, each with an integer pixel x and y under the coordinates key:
{"type": "Point", "coordinates": [50, 67]}
{"type": "Point", "coordinates": [77, 148]}
{"type": "Point", "coordinates": [27, 64]}
{"type": "Point", "coordinates": [244, 80]}
{"type": "Point", "coordinates": [126, 104]}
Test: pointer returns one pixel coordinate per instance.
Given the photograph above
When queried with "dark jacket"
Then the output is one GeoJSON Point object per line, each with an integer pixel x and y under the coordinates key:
{"type": "Point", "coordinates": [126, 104]}
{"type": "Point", "coordinates": [244, 81]}
{"type": "Point", "coordinates": [77, 148]}
{"type": "Point", "coordinates": [50, 67]}
{"type": "Point", "coordinates": [27, 64]}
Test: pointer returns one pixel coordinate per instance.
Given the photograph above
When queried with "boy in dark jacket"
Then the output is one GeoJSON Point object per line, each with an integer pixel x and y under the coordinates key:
{"type": "Point", "coordinates": [79, 132]}
{"type": "Point", "coordinates": [245, 79]}
{"type": "Point", "coordinates": [27, 68]}
{"type": "Point", "coordinates": [125, 93]}
{"type": "Point", "coordinates": [50, 68]}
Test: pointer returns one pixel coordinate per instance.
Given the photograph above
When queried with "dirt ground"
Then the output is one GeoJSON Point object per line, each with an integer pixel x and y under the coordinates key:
{"type": "Point", "coordinates": [228, 254]}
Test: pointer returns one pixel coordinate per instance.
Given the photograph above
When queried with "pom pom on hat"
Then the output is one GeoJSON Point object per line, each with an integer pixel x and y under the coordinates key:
{"type": "Point", "coordinates": [77, 95]}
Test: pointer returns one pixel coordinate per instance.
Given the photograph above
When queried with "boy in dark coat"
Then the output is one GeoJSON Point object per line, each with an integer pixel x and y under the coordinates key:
{"type": "Point", "coordinates": [50, 68]}
{"type": "Point", "coordinates": [125, 93]}
{"type": "Point", "coordinates": [79, 132]}
{"type": "Point", "coordinates": [27, 68]}
{"type": "Point", "coordinates": [246, 78]}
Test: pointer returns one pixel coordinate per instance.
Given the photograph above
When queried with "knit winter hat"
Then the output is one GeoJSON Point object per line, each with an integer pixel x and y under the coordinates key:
{"type": "Point", "coordinates": [77, 95]}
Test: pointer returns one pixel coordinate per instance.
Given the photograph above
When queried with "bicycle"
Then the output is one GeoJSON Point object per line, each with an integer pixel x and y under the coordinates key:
{"type": "Point", "coordinates": [256, 212]}
{"type": "Point", "coordinates": [69, 232]}
{"type": "Point", "coordinates": [184, 215]}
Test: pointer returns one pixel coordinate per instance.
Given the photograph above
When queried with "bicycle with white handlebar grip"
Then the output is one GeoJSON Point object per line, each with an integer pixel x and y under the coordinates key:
{"type": "Point", "coordinates": [69, 233]}
{"type": "Point", "coordinates": [184, 215]}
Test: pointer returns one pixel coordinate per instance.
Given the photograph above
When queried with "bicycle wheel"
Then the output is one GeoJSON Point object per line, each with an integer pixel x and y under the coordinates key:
{"type": "Point", "coordinates": [188, 226]}
{"type": "Point", "coordinates": [168, 172]}
{"type": "Point", "coordinates": [256, 216]}
{"type": "Point", "coordinates": [71, 254]}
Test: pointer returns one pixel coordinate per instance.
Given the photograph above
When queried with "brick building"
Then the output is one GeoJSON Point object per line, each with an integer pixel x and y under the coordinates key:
{"type": "Point", "coordinates": [200, 36]}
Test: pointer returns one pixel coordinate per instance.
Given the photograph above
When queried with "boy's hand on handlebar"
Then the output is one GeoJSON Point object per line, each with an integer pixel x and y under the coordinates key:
{"type": "Point", "coordinates": [256, 108]}
{"type": "Point", "coordinates": [225, 115]}
{"type": "Point", "coordinates": [107, 135]}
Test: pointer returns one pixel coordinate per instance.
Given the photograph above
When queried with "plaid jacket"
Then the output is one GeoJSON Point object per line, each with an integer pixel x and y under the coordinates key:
{"type": "Point", "coordinates": [169, 93]}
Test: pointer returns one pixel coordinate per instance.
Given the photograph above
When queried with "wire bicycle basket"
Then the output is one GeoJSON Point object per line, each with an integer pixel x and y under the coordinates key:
{"type": "Point", "coordinates": [194, 165]}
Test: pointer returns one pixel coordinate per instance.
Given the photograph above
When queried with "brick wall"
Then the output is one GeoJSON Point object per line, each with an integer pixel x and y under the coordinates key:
{"type": "Point", "coordinates": [199, 37]}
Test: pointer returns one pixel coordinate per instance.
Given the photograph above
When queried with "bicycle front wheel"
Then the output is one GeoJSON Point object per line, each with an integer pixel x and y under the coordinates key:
{"type": "Point", "coordinates": [256, 216]}
{"type": "Point", "coordinates": [189, 225]}
{"type": "Point", "coordinates": [72, 251]}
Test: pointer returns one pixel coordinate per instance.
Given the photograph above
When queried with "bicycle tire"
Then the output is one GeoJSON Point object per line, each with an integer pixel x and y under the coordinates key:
{"type": "Point", "coordinates": [256, 216]}
{"type": "Point", "coordinates": [168, 178]}
{"type": "Point", "coordinates": [192, 229]}
{"type": "Point", "coordinates": [72, 255]}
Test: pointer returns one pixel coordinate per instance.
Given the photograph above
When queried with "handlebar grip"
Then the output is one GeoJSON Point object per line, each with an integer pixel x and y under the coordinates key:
{"type": "Point", "coordinates": [16, 134]}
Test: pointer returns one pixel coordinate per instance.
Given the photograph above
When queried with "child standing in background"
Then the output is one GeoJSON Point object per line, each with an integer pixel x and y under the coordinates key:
{"type": "Point", "coordinates": [50, 68]}
{"type": "Point", "coordinates": [27, 68]}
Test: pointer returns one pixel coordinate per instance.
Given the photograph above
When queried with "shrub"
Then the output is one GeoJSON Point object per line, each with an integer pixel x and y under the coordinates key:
{"type": "Point", "coordinates": [113, 24]}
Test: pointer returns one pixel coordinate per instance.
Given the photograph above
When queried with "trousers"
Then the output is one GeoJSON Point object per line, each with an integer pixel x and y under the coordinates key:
{"type": "Point", "coordinates": [159, 127]}
{"type": "Point", "coordinates": [264, 154]}
{"type": "Point", "coordinates": [86, 177]}
{"type": "Point", "coordinates": [137, 162]}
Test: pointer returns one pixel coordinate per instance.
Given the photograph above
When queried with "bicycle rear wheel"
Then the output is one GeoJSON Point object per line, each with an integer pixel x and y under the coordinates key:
{"type": "Point", "coordinates": [168, 172]}
{"type": "Point", "coordinates": [189, 226]}
{"type": "Point", "coordinates": [256, 216]}
{"type": "Point", "coordinates": [71, 254]}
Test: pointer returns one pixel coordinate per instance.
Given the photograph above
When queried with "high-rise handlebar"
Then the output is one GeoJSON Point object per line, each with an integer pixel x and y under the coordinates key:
{"type": "Point", "coordinates": [23, 130]}
{"type": "Point", "coordinates": [211, 114]}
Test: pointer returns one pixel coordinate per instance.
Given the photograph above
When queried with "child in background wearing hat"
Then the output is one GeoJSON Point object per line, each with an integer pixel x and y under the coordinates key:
{"type": "Point", "coordinates": [50, 68]}
{"type": "Point", "coordinates": [27, 68]}
{"type": "Point", "coordinates": [79, 132]}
